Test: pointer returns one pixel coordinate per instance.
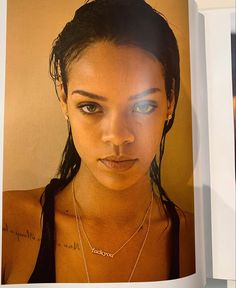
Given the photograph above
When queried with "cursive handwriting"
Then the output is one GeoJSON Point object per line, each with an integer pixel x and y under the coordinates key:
{"type": "Point", "coordinates": [29, 235]}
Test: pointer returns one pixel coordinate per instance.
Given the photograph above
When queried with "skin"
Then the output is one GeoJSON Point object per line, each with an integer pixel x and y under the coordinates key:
{"type": "Point", "coordinates": [112, 203]}
{"type": "Point", "coordinates": [118, 127]}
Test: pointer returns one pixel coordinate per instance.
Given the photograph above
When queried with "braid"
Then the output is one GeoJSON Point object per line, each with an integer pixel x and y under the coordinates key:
{"type": "Point", "coordinates": [70, 162]}
{"type": "Point", "coordinates": [68, 168]}
{"type": "Point", "coordinates": [155, 172]}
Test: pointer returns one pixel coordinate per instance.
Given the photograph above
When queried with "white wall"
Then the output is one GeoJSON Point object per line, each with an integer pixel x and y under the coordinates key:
{"type": "Point", "coordinates": [211, 4]}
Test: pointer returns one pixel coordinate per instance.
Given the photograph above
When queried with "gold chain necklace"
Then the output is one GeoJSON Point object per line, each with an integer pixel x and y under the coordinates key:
{"type": "Point", "coordinates": [77, 218]}
{"type": "Point", "coordinates": [100, 252]}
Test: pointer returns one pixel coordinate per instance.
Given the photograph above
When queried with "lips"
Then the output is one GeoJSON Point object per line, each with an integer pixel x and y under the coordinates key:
{"type": "Point", "coordinates": [118, 163]}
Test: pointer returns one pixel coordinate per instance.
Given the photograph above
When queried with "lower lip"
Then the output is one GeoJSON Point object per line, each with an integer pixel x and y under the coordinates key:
{"type": "Point", "coordinates": [118, 166]}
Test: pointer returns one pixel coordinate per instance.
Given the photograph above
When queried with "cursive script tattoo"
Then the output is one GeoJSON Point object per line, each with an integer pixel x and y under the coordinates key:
{"type": "Point", "coordinates": [74, 246]}
{"type": "Point", "coordinates": [29, 235]}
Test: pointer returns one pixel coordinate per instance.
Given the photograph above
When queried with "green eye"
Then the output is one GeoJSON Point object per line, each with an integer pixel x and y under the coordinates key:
{"type": "Point", "coordinates": [145, 108]}
{"type": "Point", "coordinates": [89, 108]}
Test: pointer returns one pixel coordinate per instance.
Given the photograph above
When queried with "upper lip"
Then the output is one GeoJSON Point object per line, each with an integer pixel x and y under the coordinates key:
{"type": "Point", "coordinates": [118, 158]}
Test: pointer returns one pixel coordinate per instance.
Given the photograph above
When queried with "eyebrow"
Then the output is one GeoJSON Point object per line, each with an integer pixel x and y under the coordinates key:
{"type": "Point", "coordinates": [145, 93]}
{"type": "Point", "coordinates": [102, 98]}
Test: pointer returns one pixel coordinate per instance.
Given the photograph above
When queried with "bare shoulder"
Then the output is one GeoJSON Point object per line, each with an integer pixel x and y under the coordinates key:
{"type": "Point", "coordinates": [187, 243]}
{"type": "Point", "coordinates": [18, 204]}
{"type": "Point", "coordinates": [23, 195]}
{"type": "Point", "coordinates": [21, 229]}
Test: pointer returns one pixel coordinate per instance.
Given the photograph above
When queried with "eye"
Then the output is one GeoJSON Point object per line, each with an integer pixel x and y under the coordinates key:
{"type": "Point", "coordinates": [145, 107]}
{"type": "Point", "coordinates": [90, 108]}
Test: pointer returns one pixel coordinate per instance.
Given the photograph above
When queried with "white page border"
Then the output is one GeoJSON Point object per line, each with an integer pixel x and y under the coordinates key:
{"type": "Point", "coordinates": [193, 281]}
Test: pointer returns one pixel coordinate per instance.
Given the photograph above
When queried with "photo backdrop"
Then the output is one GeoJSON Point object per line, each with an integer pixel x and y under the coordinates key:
{"type": "Point", "coordinates": [34, 128]}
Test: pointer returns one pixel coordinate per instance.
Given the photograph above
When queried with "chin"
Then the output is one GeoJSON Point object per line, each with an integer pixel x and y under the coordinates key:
{"type": "Point", "coordinates": [119, 187]}
{"type": "Point", "coordinates": [119, 183]}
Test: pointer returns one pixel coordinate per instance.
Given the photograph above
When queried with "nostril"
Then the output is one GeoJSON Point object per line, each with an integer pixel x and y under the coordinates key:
{"type": "Point", "coordinates": [117, 130]}
{"type": "Point", "coordinates": [118, 138]}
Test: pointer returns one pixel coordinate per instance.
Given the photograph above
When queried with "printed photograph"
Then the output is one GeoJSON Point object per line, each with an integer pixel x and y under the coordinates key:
{"type": "Point", "coordinates": [98, 166]}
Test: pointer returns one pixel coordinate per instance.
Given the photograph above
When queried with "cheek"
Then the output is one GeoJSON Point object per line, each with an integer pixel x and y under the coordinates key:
{"type": "Point", "coordinates": [87, 135]}
{"type": "Point", "coordinates": [149, 143]}
{"type": "Point", "coordinates": [150, 131]}
{"type": "Point", "coordinates": [85, 139]}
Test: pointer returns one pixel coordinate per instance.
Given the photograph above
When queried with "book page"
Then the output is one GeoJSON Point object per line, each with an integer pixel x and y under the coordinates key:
{"type": "Point", "coordinates": [35, 130]}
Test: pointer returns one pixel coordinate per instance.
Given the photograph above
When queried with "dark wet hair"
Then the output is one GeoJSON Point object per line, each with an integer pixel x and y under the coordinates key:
{"type": "Point", "coordinates": [122, 22]}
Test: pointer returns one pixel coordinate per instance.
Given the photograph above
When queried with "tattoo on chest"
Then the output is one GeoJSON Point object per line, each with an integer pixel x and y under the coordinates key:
{"type": "Point", "coordinates": [27, 235]}
{"type": "Point", "coordinates": [71, 246]}
{"type": "Point", "coordinates": [20, 235]}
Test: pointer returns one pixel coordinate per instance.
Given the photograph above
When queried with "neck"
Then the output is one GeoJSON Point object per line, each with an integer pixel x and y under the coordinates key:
{"type": "Point", "coordinates": [102, 204]}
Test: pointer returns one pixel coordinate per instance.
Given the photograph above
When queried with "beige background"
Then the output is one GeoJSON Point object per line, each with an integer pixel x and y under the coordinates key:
{"type": "Point", "coordinates": [35, 130]}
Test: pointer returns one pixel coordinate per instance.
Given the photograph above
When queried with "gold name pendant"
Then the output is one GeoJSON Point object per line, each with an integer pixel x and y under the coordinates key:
{"type": "Point", "coordinates": [102, 253]}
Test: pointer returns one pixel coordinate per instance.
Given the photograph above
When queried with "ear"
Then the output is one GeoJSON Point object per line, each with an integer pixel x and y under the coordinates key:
{"type": "Point", "coordinates": [62, 99]}
{"type": "Point", "coordinates": [171, 102]}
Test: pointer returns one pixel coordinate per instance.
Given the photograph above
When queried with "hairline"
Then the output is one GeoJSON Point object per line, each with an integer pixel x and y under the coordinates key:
{"type": "Point", "coordinates": [78, 53]}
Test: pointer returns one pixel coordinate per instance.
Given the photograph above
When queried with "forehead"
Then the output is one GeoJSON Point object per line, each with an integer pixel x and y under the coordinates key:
{"type": "Point", "coordinates": [104, 65]}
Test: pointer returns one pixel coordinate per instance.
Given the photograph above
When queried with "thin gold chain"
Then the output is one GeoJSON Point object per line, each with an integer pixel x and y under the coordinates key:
{"type": "Point", "coordinates": [143, 244]}
{"type": "Point", "coordinates": [81, 244]}
{"type": "Point", "coordinates": [79, 234]}
{"type": "Point", "coordinates": [123, 245]}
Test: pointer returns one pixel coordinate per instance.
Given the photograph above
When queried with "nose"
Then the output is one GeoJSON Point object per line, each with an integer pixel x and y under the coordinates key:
{"type": "Point", "coordinates": [117, 131]}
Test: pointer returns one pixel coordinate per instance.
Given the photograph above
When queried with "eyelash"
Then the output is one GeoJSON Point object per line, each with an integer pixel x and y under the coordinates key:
{"type": "Point", "coordinates": [152, 105]}
{"type": "Point", "coordinates": [95, 105]}
{"type": "Point", "coordinates": [81, 106]}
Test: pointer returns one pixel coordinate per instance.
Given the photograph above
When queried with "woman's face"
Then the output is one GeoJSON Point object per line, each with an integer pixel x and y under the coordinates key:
{"type": "Point", "coordinates": [117, 107]}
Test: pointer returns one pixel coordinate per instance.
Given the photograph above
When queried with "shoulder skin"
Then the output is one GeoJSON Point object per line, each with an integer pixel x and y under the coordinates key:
{"type": "Point", "coordinates": [21, 233]}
